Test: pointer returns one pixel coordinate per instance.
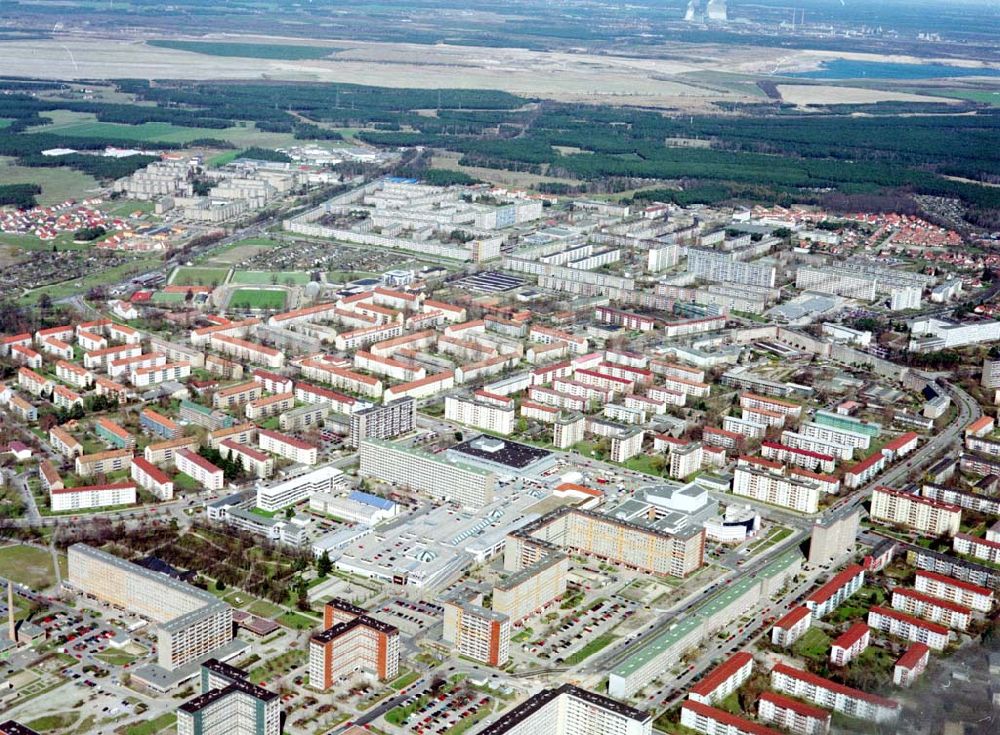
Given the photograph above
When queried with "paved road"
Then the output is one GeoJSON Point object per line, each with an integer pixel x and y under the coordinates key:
{"type": "Point", "coordinates": [21, 483]}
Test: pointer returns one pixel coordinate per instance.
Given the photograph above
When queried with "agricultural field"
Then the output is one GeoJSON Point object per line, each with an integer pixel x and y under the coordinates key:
{"type": "Point", "coordinates": [287, 52]}
{"type": "Point", "coordinates": [198, 276]}
{"type": "Point", "coordinates": [257, 298]}
{"type": "Point", "coordinates": [984, 96]}
{"type": "Point", "coordinates": [829, 94]}
{"type": "Point", "coordinates": [271, 278]}
{"type": "Point", "coordinates": [58, 184]}
{"type": "Point", "coordinates": [86, 125]}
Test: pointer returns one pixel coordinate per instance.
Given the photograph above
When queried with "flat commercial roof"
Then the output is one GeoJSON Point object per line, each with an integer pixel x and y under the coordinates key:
{"type": "Point", "coordinates": [661, 643]}
{"type": "Point", "coordinates": [442, 458]}
{"type": "Point", "coordinates": [501, 451]}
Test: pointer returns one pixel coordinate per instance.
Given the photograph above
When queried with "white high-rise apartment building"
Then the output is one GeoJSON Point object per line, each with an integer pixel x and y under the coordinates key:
{"type": "Point", "coordinates": [485, 415]}
{"type": "Point", "coordinates": [190, 622]}
{"type": "Point", "coordinates": [429, 473]}
{"type": "Point", "coordinates": [570, 710]}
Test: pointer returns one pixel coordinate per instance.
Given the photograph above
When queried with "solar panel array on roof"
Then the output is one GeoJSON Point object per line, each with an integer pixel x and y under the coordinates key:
{"type": "Point", "coordinates": [490, 282]}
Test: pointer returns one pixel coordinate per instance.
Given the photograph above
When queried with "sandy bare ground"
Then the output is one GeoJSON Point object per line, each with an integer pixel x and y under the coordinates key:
{"type": "Point", "coordinates": [820, 94]}
{"type": "Point", "coordinates": [554, 75]}
{"type": "Point", "coordinates": [791, 62]}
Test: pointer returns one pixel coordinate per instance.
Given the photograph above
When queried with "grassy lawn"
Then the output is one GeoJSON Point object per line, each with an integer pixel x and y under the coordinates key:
{"type": "Point", "coordinates": [28, 566]}
{"type": "Point", "coordinates": [814, 644]}
{"type": "Point", "coordinates": [125, 207]}
{"type": "Point", "coordinates": [257, 298]}
{"type": "Point", "coordinates": [985, 96]}
{"type": "Point", "coordinates": [58, 184]}
{"type": "Point", "coordinates": [602, 641]}
{"type": "Point", "coordinates": [277, 666]}
{"type": "Point", "coordinates": [856, 607]}
{"type": "Point", "coordinates": [194, 276]}
{"type": "Point", "coordinates": [298, 621]}
{"type": "Point", "coordinates": [405, 680]}
{"type": "Point", "coordinates": [776, 536]}
{"type": "Point", "coordinates": [524, 635]}
{"type": "Point", "coordinates": [151, 727]}
{"type": "Point", "coordinates": [116, 658]}
{"type": "Point", "coordinates": [264, 608]}
{"type": "Point", "coordinates": [221, 159]}
{"type": "Point", "coordinates": [186, 482]}
{"type": "Point", "coordinates": [282, 51]}
{"type": "Point", "coordinates": [57, 721]}
{"type": "Point", "coordinates": [237, 251]}
{"type": "Point", "coordinates": [731, 704]}
{"type": "Point", "coordinates": [270, 278]}
{"type": "Point", "coordinates": [648, 464]}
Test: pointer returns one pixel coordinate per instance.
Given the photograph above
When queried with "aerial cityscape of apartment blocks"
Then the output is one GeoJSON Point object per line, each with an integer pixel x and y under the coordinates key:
{"type": "Point", "coordinates": [305, 431]}
{"type": "Point", "coordinates": [792, 715]}
{"type": "Point", "coordinates": [955, 590]}
{"type": "Point", "coordinates": [922, 514]}
{"type": "Point", "coordinates": [92, 496]}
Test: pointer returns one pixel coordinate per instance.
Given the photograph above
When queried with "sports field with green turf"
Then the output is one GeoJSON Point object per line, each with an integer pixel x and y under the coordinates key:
{"type": "Point", "coordinates": [168, 298]}
{"type": "Point", "coordinates": [194, 276]}
{"type": "Point", "coordinates": [266, 278]}
{"type": "Point", "coordinates": [257, 298]}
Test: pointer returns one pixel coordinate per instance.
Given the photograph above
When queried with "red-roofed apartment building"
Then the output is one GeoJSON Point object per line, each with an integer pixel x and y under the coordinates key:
{"type": "Point", "coordinates": [792, 715]}
{"type": "Point", "coordinates": [723, 680]}
{"type": "Point", "coordinates": [841, 586]}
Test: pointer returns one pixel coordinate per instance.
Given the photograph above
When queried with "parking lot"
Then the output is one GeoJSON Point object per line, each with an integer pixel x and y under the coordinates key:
{"type": "Point", "coordinates": [439, 707]}
{"type": "Point", "coordinates": [581, 629]}
{"type": "Point", "coordinates": [411, 617]}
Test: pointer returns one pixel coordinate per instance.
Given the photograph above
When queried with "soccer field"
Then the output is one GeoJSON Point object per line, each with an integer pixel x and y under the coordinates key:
{"type": "Point", "coordinates": [192, 276]}
{"type": "Point", "coordinates": [168, 298]}
{"type": "Point", "coordinates": [269, 278]}
{"type": "Point", "coordinates": [257, 298]}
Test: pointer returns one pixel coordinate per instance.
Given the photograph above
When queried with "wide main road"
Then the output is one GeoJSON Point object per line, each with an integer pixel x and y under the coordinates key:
{"type": "Point", "coordinates": [968, 410]}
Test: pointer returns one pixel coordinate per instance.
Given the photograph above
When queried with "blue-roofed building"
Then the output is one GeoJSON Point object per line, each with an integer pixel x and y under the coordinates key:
{"type": "Point", "coordinates": [355, 507]}
{"type": "Point", "coordinates": [369, 499]}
